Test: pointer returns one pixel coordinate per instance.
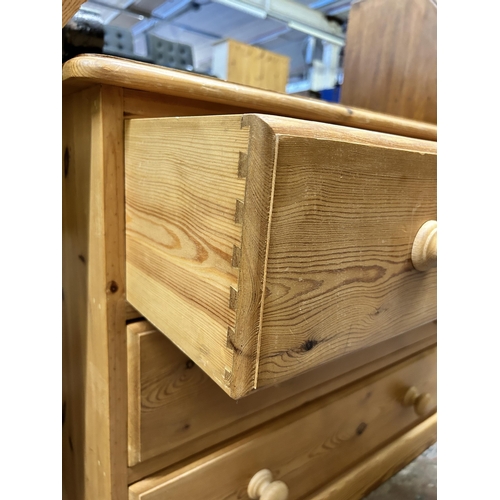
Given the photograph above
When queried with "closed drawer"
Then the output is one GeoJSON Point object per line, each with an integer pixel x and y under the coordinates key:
{"type": "Point", "coordinates": [176, 410]}
{"type": "Point", "coordinates": [312, 445]}
{"type": "Point", "coordinates": [264, 246]}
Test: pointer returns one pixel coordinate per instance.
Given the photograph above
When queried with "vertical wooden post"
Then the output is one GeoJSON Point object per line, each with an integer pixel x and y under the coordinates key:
{"type": "Point", "coordinates": [94, 335]}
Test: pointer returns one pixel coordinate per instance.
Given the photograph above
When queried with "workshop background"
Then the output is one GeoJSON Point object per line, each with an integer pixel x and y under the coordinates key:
{"type": "Point", "coordinates": [374, 54]}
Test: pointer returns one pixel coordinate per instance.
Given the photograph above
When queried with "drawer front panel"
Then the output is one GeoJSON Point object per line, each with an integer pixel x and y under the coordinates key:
{"type": "Point", "coordinates": [264, 246]}
{"type": "Point", "coordinates": [175, 410]}
{"type": "Point", "coordinates": [310, 446]}
{"type": "Point", "coordinates": [339, 273]}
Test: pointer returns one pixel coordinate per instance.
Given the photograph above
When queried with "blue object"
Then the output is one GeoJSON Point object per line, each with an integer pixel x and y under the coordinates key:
{"type": "Point", "coordinates": [331, 95]}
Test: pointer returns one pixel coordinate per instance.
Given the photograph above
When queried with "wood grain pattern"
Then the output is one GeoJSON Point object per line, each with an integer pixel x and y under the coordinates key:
{"type": "Point", "coordinates": [378, 468]}
{"type": "Point", "coordinates": [325, 225]}
{"type": "Point", "coordinates": [252, 66]}
{"type": "Point", "coordinates": [339, 272]}
{"type": "Point", "coordinates": [180, 228]}
{"type": "Point", "coordinates": [259, 171]}
{"type": "Point", "coordinates": [140, 104]}
{"type": "Point", "coordinates": [94, 305]}
{"type": "Point", "coordinates": [87, 70]}
{"type": "Point", "coordinates": [177, 410]}
{"type": "Point", "coordinates": [307, 447]}
{"type": "Point", "coordinates": [105, 414]}
{"type": "Point", "coordinates": [131, 312]}
{"type": "Point", "coordinates": [75, 225]}
{"type": "Point", "coordinates": [95, 442]}
{"type": "Point", "coordinates": [69, 9]}
{"type": "Point", "coordinates": [391, 58]}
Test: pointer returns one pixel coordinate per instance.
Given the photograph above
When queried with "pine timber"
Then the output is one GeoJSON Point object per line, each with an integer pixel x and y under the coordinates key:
{"type": "Point", "coordinates": [86, 70]}
{"type": "Point", "coordinates": [307, 447]}
{"type": "Point", "coordinates": [94, 340]}
{"type": "Point", "coordinates": [176, 410]}
{"type": "Point", "coordinates": [100, 92]}
{"type": "Point", "coordinates": [379, 467]}
{"type": "Point", "coordinates": [264, 246]}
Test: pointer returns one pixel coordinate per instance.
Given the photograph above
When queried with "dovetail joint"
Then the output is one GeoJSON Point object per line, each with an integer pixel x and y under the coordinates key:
{"type": "Point", "coordinates": [230, 337]}
{"type": "Point", "coordinates": [235, 261]}
{"type": "Point", "coordinates": [243, 165]}
{"type": "Point", "coordinates": [238, 215]}
{"type": "Point", "coordinates": [233, 298]}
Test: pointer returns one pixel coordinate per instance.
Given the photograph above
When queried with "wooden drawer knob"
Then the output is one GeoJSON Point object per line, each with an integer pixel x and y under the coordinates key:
{"type": "Point", "coordinates": [424, 250]}
{"type": "Point", "coordinates": [420, 402]}
{"type": "Point", "coordinates": [262, 487]}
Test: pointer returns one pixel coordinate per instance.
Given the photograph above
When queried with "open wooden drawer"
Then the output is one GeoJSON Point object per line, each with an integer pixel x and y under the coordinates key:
{"type": "Point", "coordinates": [265, 246]}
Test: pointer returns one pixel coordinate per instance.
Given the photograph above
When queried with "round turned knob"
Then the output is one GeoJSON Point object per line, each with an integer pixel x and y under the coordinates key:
{"type": "Point", "coordinates": [262, 487]}
{"type": "Point", "coordinates": [420, 402]}
{"type": "Point", "coordinates": [424, 250]}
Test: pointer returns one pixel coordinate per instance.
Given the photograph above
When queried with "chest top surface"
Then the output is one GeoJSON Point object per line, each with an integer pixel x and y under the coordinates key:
{"type": "Point", "coordinates": [87, 70]}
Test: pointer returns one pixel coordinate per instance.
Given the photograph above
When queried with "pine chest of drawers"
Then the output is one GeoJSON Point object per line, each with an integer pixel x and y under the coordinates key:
{"type": "Point", "coordinates": [221, 242]}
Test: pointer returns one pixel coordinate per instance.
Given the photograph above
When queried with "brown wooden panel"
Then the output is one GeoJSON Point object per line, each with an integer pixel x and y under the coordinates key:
{"type": "Point", "coordinates": [132, 313]}
{"type": "Point", "coordinates": [265, 246]}
{"type": "Point", "coordinates": [252, 66]}
{"type": "Point", "coordinates": [339, 273]}
{"type": "Point", "coordinates": [379, 467]}
{"type": "Point", "coordinates": [139, 104]}
{"type": "Point", "coordinates": [75, 226]}
{"type": "Point", "coordinates": [181, 231]}
{"type": "Point", "coordinates": [391, 58]}
{"type": "Point", "coordinates": [308, 447]}
{"type": "Point", "coordinates": [94, 352]}
{"type": "Point", "coordinates": [86, 70]}
{"type": "Point", "coordinates": [176, 410]}
{"type": "Point", "coordinates": [69, 9]}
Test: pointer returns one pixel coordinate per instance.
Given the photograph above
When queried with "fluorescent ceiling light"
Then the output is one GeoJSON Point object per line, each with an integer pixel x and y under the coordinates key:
{"type": "Point", "coordinates": [117, 4]}
{"type": "Point", "coordinates": [336, 40]}
{"type": "Point", "coordinates": [248, 9]}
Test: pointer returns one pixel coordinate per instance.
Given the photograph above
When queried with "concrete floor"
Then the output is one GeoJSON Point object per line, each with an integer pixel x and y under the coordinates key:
{"type": "Point", "coordinates": [417, 481]}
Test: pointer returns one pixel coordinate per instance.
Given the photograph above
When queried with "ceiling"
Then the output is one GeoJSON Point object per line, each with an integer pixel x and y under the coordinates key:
{"type": "Point", "coordinates": [202, 23]}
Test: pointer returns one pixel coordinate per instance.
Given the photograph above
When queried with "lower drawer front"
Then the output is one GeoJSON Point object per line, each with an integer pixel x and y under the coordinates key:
{"type": "Point", "coordinates": [310, 446]}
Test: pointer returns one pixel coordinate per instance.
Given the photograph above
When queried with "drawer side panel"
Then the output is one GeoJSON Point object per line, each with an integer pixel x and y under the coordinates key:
{"type": "Point", "coordinates": [182, 195]}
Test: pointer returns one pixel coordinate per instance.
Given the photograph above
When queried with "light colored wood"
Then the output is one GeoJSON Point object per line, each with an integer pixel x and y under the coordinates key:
{"type": "Point", "coordinates": [424, 250]}
{"type": "Point", "coordinates": [94, 448]}
{"type": "Point", "coordinates": [140, 104]}
{"type": "Point", "coordinates": [86, 70]}
{"type": "Point", "coordinates": [94, 365]}
{"type": "Point", "coordinates": [241, 63]}
{"type": "Point", "coordinates": [379, 467]}
{"type": "Point", "coordinates": [180, 227]}
{"type": "Point", "coordinates": [420, 402]}
{"type": "Point", "coordinates": [69, 9]}
{"type": "Point", "coordinates": [132, 313]}
{"type": "Point", "coordinates": [176, 410]}
{"type": "Point", "coordinates": [306, 447]}
{"type": "Point", "coordinates": [75, 199]}
{"type": "Point", "coordinates": [339, 273]}
{"type": "Point", "coordinates": [262, 487]}
{"type": "Point", "coordinates": [324, 261]}
{"type": "Point", "coordinates": [180, 412]}
{"type": "Point", "coordinates": [390, 63]}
